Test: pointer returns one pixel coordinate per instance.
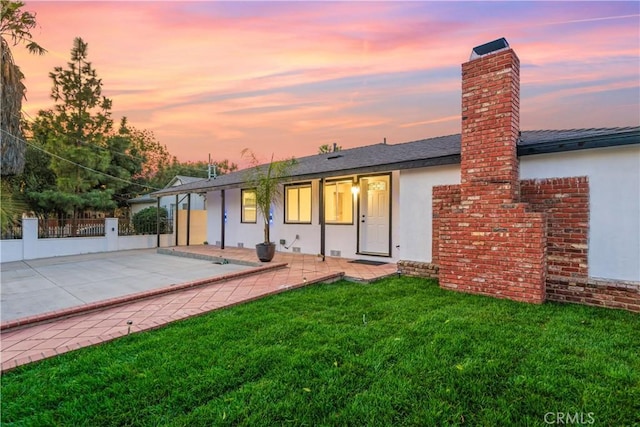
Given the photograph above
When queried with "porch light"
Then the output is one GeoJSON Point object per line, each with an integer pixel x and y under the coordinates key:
{"type": "Point", "coordinates": [355, 189]}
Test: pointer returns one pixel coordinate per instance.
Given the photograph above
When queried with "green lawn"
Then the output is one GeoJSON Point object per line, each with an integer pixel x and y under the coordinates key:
{"type": "Point", "coordinates": [397, 352]}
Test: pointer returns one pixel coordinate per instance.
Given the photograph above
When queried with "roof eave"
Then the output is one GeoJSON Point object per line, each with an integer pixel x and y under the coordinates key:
{"type": "Point", "coordinates": [410, 164]}
{"type": "Point", "coordinates": [552, 146]}
{"type": "Point", "coordinates": [599, 141]}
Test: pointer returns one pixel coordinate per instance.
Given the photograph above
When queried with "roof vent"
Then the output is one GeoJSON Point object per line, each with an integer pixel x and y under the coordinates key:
{"type": "Point", "coordinates": [487, 48]}
{"type": "Point", "coordinates": [337, 156]}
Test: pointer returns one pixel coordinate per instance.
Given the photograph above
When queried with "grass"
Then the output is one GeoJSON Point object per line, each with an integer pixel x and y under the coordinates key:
{"type": "Point", "coordinates": [397, 352]}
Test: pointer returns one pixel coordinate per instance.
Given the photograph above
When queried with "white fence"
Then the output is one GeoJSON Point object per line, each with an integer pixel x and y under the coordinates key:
{"type": "Point", "coordinates": [31, 247]}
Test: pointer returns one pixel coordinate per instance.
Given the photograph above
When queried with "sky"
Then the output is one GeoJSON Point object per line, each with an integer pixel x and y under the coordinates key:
{"type": "Point", "coordinates": [284, 78]}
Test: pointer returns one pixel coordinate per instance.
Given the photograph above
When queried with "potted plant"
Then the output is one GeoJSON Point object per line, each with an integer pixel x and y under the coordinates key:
{"type": "Point", "coordinates": [266, 179]}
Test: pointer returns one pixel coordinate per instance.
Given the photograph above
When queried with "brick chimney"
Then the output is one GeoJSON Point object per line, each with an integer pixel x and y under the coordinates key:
{"type": "Point", "coordinates": [490, 243]}
{"type": "Point", "coordinates": [490, 126]}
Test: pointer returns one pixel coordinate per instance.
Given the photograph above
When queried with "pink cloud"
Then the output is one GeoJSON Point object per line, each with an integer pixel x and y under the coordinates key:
{"type": "Point", "coordinates": [275, 76]}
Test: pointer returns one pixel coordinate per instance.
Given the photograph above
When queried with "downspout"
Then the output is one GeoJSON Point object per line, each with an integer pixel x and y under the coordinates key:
{"type": "Point", "coordinates": [222, 219]}
{"type": "Point", "coordinates": [321, 216]}
{"type": "Point", "coordinates": [188, 218]}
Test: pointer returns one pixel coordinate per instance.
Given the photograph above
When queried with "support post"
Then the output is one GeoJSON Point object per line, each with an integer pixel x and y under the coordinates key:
{"type": "Point", "coordinates": [177, 225]}
{"type": "Point", "coordinates": [158, 223]}
{"type": "Point", "coordinates": [188, 218]}
{"type": "Point", "coordinates": [322, 218]}
{"type": "Point", "coordinates": [222, 218]}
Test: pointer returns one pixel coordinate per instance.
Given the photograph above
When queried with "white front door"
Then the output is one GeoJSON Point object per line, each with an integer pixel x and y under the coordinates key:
{"type": "Point", "coordinates": [374, 220]}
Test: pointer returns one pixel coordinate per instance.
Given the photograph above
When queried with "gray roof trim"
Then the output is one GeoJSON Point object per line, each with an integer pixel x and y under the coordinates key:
{"type": "Point", "coordinates": [412, 164]}
{"type": "Point", "coordinates": [145, 198]}
{"type": "Point", "coordinates": [444, 150]}
{"type": "Point", "coordinates": [581, 143]}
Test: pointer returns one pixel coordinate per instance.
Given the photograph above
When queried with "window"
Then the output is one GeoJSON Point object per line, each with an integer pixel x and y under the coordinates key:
{"type": "Point", "coordinates": [249, 213]}
{"type": "Point", "coordinates": [297, 204]}
{"type": "Point", "coordinates": [338, 202]}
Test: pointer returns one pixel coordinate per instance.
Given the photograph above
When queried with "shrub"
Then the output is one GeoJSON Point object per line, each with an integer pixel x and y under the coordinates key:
{"type": "Point", "coordinates": [146, 221]}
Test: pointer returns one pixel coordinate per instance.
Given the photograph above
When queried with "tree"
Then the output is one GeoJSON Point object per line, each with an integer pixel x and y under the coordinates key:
{"type": "Point", "coordinates": [35, 181]}
{"type": "Point", "coordinates": [15, 24]}
{"type": "Point", "coordinates": [196, 169]}
{"type": "Point", "coordinates": [266, 179]}
{"type": "Point", "coordinates": [127, 162]}
{"type": "Point", "coordinates": [79, 135]}
{"type": "Point", "coordinates": [10, 206]}
{"type": "Point", "coordinates": [154, 156]}
{"type": "Point", "coordinates": [326, 148]}
{"type": "Point", "coordinates": [146, 221]}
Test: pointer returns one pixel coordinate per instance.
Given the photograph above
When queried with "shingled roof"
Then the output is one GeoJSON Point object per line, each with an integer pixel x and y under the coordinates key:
{"type": "Point", "coordinates": [426, 152]}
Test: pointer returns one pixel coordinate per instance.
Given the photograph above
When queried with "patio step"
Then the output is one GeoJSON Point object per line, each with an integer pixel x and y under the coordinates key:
{"type": "Point", "coordinates": [207, 257]}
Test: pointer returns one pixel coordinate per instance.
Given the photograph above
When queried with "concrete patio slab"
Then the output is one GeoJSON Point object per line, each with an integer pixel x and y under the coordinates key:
{"type": "Point", "coordinates": [33, 287]}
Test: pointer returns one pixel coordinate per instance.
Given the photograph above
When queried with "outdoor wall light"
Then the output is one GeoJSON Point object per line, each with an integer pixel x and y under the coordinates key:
{"type": "Point", "coordinates": [355, 189]}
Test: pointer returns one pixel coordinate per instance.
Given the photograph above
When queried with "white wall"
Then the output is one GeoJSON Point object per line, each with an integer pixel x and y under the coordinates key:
{"type": "Point", "coordinates": [249, 234]}
{"type": "Point", "coordinates": [415, 198]}
{"type": "Point", "coordinates": [213, 217]}
{"type": "Point", "coordinates": [145, 241]}
{"type": "Point", "coordinates": [341, 238]}
{"type": "Point", "coordinates": [614, 223]}
{"type": "Point", "coordinates": [32, 247]}
{"type": "Point", "coordinates": [11, 250]}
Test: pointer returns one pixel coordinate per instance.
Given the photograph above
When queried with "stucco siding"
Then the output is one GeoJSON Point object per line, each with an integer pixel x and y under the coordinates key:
{"type": "Point", "coordinates": [614, 222]}
{"type": "Point", "coordinates": [415, 213]}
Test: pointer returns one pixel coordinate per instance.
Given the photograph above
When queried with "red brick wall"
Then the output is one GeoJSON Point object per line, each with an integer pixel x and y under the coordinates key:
{"type": "Point", "coordinates": [497, 252]}
{"type": "Point", "coordinates": [444, 196]}
{"type": "Point", "coordinates": [597, 292]}
{"type": "Point", "coordinates": [490, 127]}
{"type": "Point", "coordinates": [418, 269]}
{"type": "Point", "coordinates": [566, 204]}
{"type": "Point", "coordinates": [587, 291]}
{"type": "Point", "coordinates": [489, 244]}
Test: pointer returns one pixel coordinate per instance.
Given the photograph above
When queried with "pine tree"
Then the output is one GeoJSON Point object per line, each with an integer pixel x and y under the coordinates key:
{"type": "Point", "coordinates": [80, 128]}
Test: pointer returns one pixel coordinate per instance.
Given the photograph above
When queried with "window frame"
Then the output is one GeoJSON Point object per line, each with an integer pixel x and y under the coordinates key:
{"type": "Point", "coordinates": [298, 185]}
{"type": "Point", "coordinates": [335, 182]}
{"type": "Point", "coordinates": [243, 207]}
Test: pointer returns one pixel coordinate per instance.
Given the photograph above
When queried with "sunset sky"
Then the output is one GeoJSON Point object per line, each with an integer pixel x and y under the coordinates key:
{"type": "Point", "coordinates": [287, 77]}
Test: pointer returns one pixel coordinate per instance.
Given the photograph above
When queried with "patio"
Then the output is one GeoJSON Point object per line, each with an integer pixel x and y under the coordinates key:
{"type": "Point", "coordinates": [40, 337]}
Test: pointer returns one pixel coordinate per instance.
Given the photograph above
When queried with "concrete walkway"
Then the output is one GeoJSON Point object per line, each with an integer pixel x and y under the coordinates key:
{"type": "Point", "coordinates": [48, 334]}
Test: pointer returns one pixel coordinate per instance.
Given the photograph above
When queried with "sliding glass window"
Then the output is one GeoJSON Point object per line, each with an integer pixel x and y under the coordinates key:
{"type": "Point", "coordinates": [297, 204]}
